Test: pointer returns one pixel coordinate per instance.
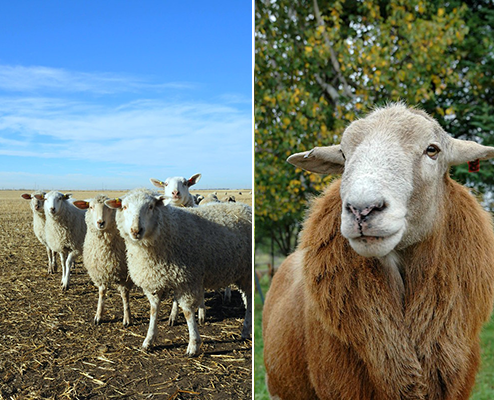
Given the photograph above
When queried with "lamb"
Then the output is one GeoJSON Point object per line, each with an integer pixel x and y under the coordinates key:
{"type": "Point", "coordinates": [39, 219]}
{"type": "Point", "coordinates": [198, 198]}
{"type": "Point", "coordinates": [185, 250]}
{"type": "Point", "coordinates": [177, 190]}
{"type": "Point", "coordinates": [104, 253]}
{"type": "Point", "coordinates": [65, 230]}
{"type": "Point", "coordinates": [393, 276]}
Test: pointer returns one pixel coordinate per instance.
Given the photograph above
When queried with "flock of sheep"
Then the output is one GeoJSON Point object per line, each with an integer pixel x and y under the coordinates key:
{"type": "Point", "coordinates": [162, 243]}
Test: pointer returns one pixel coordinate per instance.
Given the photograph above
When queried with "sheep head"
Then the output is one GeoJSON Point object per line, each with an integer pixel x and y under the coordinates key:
{"type": "Point", "coordinates": [53, 201]}
{"type": "Point", "coordinates": [176, 188]}
{"type": "Point", "coordinates": [136, 215]}
{"type": "Point", "coordinates": [99, 215]}
{"type": "Point", "coordinates": [393, 164]}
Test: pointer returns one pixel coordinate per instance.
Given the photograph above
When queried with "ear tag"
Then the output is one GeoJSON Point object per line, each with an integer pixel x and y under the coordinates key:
{"type": "Point", "coordinates": [474, 166]}
{"type": "Point", "coordinates": [118, 201]}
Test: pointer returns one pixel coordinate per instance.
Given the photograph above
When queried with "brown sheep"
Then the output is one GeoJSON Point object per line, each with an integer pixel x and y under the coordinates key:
{"type": "Point", "coordinates": [355, 317]}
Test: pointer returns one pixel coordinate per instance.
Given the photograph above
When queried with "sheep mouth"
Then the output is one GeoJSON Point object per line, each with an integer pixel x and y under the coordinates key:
{"type": "Point", "coordinates": [376, 246]}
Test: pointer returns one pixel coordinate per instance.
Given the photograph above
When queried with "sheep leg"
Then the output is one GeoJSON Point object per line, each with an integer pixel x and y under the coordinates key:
{"type": "Point", "coordinates": [188, 307]}
{"type": "Point", "coordinates": [154, 302]}
{"type": "Point", "coordinates": [227, 296]}
{"type": "Point", "coordinates": [68, 264]}
{"type": "Point", "coordinates": [62, 261]}
{"type": "Point", "coordinates": [174, 312]}
{"type": "Point", "coordinates": [50, 260]}
{"type": "Point", "coordinates": [101, 304]}
{"type": "Point", "coordinates": [125, 293]}
{"type": "Point", "coordinates": [53, 261]}
{"type": "Point", "coordinates": [247, 327]}
{"type": "Point", "coordinates": [201, 314]}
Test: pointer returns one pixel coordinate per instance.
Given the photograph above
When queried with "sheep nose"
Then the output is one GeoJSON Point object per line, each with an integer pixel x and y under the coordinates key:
{"type": "Point", "coordinates": [52, 210]}
{"type": "Point", "coordinates": [362, 213]}
{"type": "Point", "coordinates": [101, 224]}
{"type": "Point", "coordinates": [175, 193]}
{"type": "Point", "coordinates": [136, 232]}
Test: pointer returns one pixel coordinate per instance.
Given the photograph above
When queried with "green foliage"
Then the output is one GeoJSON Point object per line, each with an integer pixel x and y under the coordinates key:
{"type": "Point", "coordinates": [322, 64]}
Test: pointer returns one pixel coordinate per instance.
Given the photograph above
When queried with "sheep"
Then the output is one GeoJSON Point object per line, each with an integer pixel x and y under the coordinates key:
{"type": "Point", "coordinates": [39, 219]}
{"type": "Point", "coordinates": [393, 275]}
{"type": "Point", "coordinates": [198, 198]}
{"type": "Point", "coordinates": [210, 198]}
{"type": "Point", "coordinates": [104, 253]}
{"type": "Point", "coordinates": [228, 199]}
{"type": "Point", "coordinates": [65, 230]}
{"type": "Point", "coordinates": [177, 190]}
{"type": "Point", "coordinates": [185, 250]}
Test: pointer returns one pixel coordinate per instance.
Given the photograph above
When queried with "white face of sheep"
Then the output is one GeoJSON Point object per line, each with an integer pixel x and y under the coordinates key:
{"type": "Point", "coordinates": [137, 215]}
{"type": "Point", "coordinates": [36, 203]}
{"type": "Point", "coordinates": [100, 215]}
{"type": "Point", "coordinates": [177, 188]}
{"type": "Point", "coordinates": [394, 163]}
{"type": "Point", "coordinates": [53, 202]}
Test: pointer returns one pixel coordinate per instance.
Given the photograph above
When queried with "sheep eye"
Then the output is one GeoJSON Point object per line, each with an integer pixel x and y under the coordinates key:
{"type": "Point", "coordinates": [432, 151]}
{"type": "Point", "coordinates": [342, 154]}
{"type": "Point", "coordinates": [151, 207]}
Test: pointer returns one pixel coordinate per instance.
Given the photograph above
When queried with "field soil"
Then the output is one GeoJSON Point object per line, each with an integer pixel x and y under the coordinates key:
{"type": "Point", "coordinates": [50, 348]}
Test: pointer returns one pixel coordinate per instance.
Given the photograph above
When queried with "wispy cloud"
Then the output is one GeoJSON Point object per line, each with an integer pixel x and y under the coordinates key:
{"type": "Point", "coordinates": [140, 132]}
{"type": "Point", "coordinates": [39, 78]}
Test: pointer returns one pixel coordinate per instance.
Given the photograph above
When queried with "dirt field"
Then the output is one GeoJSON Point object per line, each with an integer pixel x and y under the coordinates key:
{"type": "Point", "coordinates": [49, 347]}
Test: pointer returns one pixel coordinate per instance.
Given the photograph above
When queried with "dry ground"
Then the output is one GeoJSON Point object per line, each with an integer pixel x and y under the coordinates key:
{"type": "Point", "coordinates": [49, 347]}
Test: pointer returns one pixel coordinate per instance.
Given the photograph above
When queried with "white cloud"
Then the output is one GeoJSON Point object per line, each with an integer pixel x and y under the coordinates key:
{"type": "Point", "coordinates": [28, 79]}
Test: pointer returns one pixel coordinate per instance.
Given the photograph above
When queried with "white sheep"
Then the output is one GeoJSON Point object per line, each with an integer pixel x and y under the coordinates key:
{"type": "Point", "coordinates": [210, 198]}
{"type": "Point", "coordinates": [177, 190]}
{"type": "Point", "coordinates": [185, 250]}
{"type": "Point", "coordinates": [104, 253]}
{"type": "Point", "coordinates": [65, 230]}
{"type": "Point", "coordinates": [39, 219]}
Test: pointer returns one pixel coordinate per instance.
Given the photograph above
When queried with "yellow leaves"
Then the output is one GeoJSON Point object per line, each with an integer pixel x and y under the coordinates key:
{"type": "Point", "coordinates": [421, 8]}
{"type": "Point", "coordinates": [450, 111]}
{"type": "Point", "coordinates": [308, 50]}
{"type": "Point", "coordinates": [440, 12]}
{"type": "Point", "coordinates": [286, 122]}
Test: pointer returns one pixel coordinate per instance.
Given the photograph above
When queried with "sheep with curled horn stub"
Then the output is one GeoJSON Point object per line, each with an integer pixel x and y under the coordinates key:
{"type": "Point", "coordinates": [185, 250]}
{"type": "Point", "coordinates": [177, 190]}
{"type": "Point", "coordinates": [39, 220]}
{"type": "Point", "coordinates": [65, 230]}
{"type": "Point", "coordinates": [393, 277]}
{"type": "Point", "coordinates": [104, 253]}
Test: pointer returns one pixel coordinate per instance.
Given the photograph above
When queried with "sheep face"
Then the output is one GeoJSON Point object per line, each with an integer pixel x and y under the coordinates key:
{"type": "Point", "coordinates": [177, 188]}
{"type": "Point", "coordinates": [136, 218]}
{"type": "Point", "coordinates": [53, 202]}
{"type": "Point", "coordinates": [37, 201]}
{"type": "Point", "coordinates": [98, 214]}
{"type": "Point", "coordinates": [394, 163]}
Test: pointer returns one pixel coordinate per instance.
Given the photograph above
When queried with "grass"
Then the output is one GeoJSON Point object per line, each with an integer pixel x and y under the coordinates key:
{"type": "Point", "coordinates": [484, 388]}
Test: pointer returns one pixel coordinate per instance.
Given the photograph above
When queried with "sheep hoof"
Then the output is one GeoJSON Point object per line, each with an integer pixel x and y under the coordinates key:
{"type": "Point", "coordinates": [97, 321]}
{"type": "Point", "coordinates": [171, 321]}
{"type": "Point", "coordinates": [193, 349]}
{"type": "Point", "coordinates": [126, 323]}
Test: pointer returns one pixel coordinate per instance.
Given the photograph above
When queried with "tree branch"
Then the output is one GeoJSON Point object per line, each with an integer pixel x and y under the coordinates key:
{"type": "Point", "coordinates": [334, 61]}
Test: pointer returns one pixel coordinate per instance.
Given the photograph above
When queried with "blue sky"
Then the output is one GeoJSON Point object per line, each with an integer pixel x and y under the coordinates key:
{"type": "Point", "coordinates": [104, 95]}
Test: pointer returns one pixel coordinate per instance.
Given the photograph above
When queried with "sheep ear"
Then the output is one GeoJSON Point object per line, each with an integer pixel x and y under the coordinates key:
{"type": "Point", "coordinates": [114, 203]}
{"type": "Point", "coordinates": [81, 204]}
{"type": "Point", "coordinates": [67, 196]}
{"type": "Point", "coordinates": [39, 196]}
{"type": "Point", "coordinates": [157, 183]}
{"type": "Point", "coordinates": [26, 196]}
{"type": "Point", "coordinates": [323, 160]}
{"type": "Point", "coordinates": [463, 151]}
{"type": "Point", "coordinates": [193, 179]}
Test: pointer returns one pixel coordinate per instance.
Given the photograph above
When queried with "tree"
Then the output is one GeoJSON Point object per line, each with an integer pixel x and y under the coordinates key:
{"type": "Point", "coordinates": [321, 65]}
